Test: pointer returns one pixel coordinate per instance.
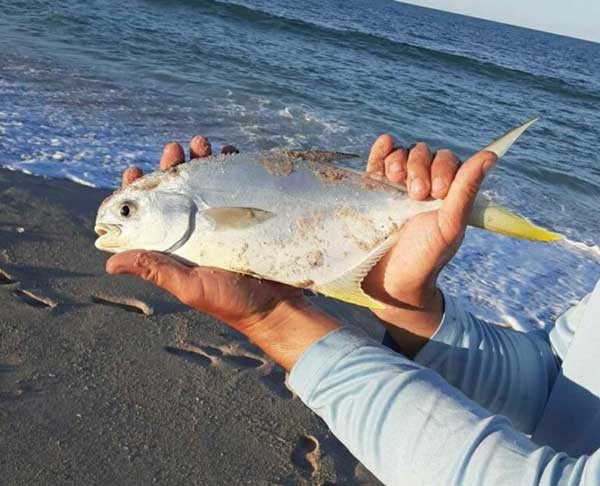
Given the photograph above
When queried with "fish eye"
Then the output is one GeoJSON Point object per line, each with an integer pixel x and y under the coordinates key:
{"type": "Point", "coordinates": [126, 209]}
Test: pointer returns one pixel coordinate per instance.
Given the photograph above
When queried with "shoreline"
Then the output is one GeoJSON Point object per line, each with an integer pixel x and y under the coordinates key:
{"type": "Point", "coordinates": [107, 380]}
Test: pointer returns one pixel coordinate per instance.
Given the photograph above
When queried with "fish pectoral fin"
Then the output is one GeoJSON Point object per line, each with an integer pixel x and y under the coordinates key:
{"type": "Point", "coordinates": [348, 287]}
{"type": "Point", "coordinates": [319, 155]}
{"type": "Point", "coordinates": [236, 218]}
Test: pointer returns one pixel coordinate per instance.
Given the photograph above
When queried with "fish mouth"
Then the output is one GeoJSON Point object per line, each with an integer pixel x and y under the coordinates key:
{"type": "Point", "coordinates": [107, 236]}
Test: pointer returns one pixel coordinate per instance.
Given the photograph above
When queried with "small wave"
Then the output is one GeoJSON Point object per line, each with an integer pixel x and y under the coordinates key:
{"type": "Point", "coordinates": [589, 250]}
{"type": "Point", "coordinates": [78, 180]}
{"type": "Point", "coordinates": [389, 47]}
{"type": "Point", "coordinates": [285, 113]}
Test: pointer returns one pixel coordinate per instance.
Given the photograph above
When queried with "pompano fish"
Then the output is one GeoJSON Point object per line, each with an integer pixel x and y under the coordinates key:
{"type": "Point", "coordinates": [289, 216]}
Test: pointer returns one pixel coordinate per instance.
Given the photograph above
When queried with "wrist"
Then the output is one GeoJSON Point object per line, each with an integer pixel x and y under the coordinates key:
{"type": "Point", "coordinates": [411, 325]}
{"type": "Point", "coordinates": [289, 329]}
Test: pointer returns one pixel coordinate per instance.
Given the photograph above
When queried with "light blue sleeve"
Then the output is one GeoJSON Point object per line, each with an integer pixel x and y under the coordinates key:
{"type": "Point", "coordinates": [409, 426]}
{"type": "Point", "coordinates": [564, 329]}
{"type": "Point", "coordinates": [507, 372]}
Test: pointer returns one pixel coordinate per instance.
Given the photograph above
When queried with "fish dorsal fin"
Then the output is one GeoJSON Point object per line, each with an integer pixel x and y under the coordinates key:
{"type": "Point", "coordinates": [318, 155]}
{"type": "Point", "coordinates": [236, 218]}
{"type": "Point", "coordinates": [348, 287]}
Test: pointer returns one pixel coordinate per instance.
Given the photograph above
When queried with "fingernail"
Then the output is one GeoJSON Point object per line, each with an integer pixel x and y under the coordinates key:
{"type": "Point", "coordinates": [395, 168]}
{"type": "Point", "coordinates": [131, 174]}
{"type": "Point", "coordinates": [172, 155]}
{"type": "Point", "coordinates": [438, 185]}
{"type": "Point", "coordinates": [200, 147]}
{"type": "Point", "coordinates": [229, 149]}
{"type": "Point", "coordinates": [417, 186]}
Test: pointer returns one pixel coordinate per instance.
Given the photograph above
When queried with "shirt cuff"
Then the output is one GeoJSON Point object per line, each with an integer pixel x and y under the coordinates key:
{"type": "Point", "coordinates": [449, 332]}
{"type": "Point", "coordinates": [321, 357]}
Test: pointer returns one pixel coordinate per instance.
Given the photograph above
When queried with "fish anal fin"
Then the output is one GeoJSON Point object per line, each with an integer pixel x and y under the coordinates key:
{"type": "Point", "coordinates": [348, 287]}
{"type": "Point", "coordinates": [236, 218]}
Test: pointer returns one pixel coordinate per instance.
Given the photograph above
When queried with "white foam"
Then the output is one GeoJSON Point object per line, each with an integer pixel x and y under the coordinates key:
{"type": "Point", "coordinates": [285, 113]}
{"type": "Point", "coordinates": [589, 250]}
{"type": "Point", "coordinates": [80, 181]}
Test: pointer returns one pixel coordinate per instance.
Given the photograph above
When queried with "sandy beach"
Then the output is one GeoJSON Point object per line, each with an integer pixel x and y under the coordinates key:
{"type": "Point", "coordinates": [109, 381]}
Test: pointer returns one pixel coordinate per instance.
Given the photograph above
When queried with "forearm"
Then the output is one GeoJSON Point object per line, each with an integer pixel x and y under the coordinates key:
{"type": "Point", "coordinates": [508, 372]}
{"type": "Point", "coordinates": [408, 426]}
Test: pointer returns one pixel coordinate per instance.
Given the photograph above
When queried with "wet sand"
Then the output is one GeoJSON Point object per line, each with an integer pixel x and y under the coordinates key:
{"type": "Point", "coordinates": [109, 381]}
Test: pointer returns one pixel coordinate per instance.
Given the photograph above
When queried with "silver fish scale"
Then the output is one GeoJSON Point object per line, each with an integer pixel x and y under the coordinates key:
{"type": "Point", "coordinates": [326, 219]}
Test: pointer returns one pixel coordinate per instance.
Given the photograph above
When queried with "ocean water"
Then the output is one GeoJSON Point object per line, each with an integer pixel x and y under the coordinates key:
{"type": "Point", "coordinates": [89, 88]}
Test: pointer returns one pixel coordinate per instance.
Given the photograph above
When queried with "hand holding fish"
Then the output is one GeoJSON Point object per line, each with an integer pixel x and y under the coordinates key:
{"type": "Point", "coordinates": [296, 218]}
{"type": "Point", "coordinates": [257, 308]}
{"type": "Point", "coordinates": [269, 313]}
{"type": "Point", "coordinates": [406, 277]}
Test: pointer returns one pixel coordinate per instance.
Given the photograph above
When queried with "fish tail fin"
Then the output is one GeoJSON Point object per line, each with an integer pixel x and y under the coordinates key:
{"type": "Point", "coordinates": [489, 216]}
{"type": "Point", "coordinates": [501, 145]}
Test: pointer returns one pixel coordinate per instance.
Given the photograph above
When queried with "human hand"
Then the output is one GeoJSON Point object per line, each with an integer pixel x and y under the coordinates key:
{"type": "Point", "coordinates": [406, 278]}
{"type": "Point", "coordinates": [267, 312]}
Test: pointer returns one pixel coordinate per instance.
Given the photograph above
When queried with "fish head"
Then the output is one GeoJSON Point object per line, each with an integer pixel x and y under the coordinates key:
{"type": "Point", "coordinates": [144, 219]}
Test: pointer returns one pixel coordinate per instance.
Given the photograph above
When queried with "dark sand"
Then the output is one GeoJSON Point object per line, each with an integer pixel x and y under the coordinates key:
{"type": "Point", "coordinates": [93, 393]}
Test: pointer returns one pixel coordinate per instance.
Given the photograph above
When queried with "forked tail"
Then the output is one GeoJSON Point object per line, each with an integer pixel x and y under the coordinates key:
{"type": "Point", "coordinates": [492, 217]}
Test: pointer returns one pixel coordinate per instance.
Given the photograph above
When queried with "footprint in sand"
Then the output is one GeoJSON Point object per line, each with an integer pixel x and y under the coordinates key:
{"type": "Point", "coordinates": [127, 304]}
{"type": "Point", "coordinates": [25, 296]}
{"type": "Point", "coordinates": [6, 279]}
{"type": "Point", "coordinates": [306, 455]}
{"type": "Point", "coordinates": [14, 389]}
{"type": "Point", "coordinates": [234, 356]}
{"type": "Point", "coordinates": [34, 300]}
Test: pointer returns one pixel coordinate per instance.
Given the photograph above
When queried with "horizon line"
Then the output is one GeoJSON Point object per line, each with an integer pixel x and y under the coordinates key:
{"type": "Point", "coordinates": [520, 26]}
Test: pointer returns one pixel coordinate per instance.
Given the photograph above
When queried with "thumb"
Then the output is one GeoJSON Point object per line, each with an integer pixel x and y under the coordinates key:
{"type": "Point", "coordinates": [161, 270]}
{"type": "Point", "coordinates": [456, 207]}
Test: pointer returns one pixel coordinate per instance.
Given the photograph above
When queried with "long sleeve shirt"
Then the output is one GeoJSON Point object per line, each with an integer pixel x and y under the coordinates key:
{"type": "Point", "coordinates": [408, 425]}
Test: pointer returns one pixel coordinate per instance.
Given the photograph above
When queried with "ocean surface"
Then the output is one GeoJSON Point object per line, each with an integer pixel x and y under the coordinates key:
{"type": "Point", "coordinates": [89, 88]}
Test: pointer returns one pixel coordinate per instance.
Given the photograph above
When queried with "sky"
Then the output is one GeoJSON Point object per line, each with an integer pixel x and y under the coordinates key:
{"type": "Point", "coordinates": [574, 18]}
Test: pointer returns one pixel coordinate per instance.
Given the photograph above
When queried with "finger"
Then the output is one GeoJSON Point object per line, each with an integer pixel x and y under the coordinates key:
{"type": "Point", "coordinates": [456, 208]}
{"type": "Point", "coordinates": [131, 174]}
{"type": "Point", "coordinates": [418, 167]}
{"type": "Point", "coordinates": [200, 147]}
{"type": "Point", "coordinates": [157, 268]}
{"type": "Point", "coordinates": [382, 147]}
{"type": "Point", "coordinates": [229, 149]}
{"type": "Point", "coordinates": [172, 155]}
{"type": "Point", "coordinates": [443, 170]}
{"type": "Point", "coordinates": [395, 165]}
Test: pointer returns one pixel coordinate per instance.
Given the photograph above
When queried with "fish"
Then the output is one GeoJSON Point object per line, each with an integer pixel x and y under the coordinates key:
{"type": "Point", "coordinates": [289, 216]}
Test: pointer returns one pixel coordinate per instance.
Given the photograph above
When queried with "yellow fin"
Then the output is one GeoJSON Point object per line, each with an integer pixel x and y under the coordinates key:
{"type": "Point", "coordinates": [348, 287]}
{"type": "Point", "coordinates": [494, 218]}
{"type": "Point", "coordinates": [491, 217]}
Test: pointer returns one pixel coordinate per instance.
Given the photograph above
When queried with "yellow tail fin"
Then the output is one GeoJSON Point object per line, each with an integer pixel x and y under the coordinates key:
{"type": "Point", "coordinates": [494, 218]}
